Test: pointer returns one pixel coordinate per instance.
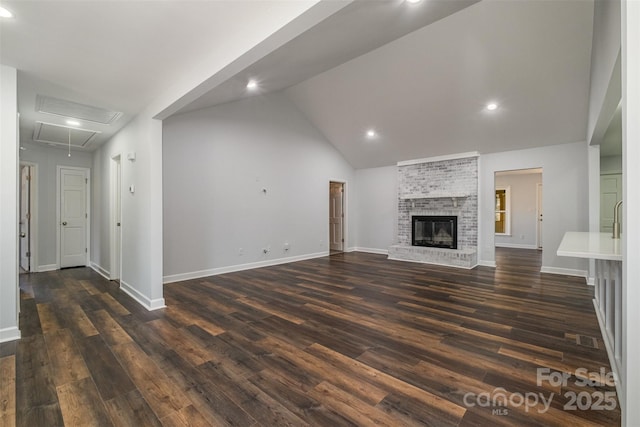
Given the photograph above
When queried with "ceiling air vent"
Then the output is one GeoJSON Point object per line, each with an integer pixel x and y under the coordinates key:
{"type": "Point", "coordinates": [59, 135]}
{"type": "Point", "coordinates": [64, 108]}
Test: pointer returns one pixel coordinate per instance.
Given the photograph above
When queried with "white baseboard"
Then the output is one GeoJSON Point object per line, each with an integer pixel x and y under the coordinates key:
{"type": "Point", "coordinates": [239, 267]}
{"type": "Point", "coordinates": [48, 267]}
{"type": "Point", "coordinates": [565, 271]}
{"type": "Point", "coordinates": [9, 334]}
{"type": "Point", "coordinates": [143, 300]}
{"type": "Point", "coordinates": [101, 271]}
{"type": "Point", "coordinates": [487, 263]}
{"type": "Point", "coordinates": [372, 250]}
{"type": "Point", "coordinates": [515, 246]}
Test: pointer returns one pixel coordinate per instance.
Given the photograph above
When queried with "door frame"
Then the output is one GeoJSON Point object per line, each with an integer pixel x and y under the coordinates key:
{"type": "Point", "coordinates": [33, 220]}
{"type": "Point", "coordinates": [345, 211]}
{"type": "Point", "coordinates": [87, 175]}
{"type": "Point", "coordinates": [539, 211]}
{"type": "Point", "coordinates": [115, 253]}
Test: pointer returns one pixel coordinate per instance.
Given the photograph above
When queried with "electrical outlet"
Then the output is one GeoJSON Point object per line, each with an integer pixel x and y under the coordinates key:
{"type": "Point", "coordinates": [240, 251]}
{"type": "Point", "coordinates": [286, 246]}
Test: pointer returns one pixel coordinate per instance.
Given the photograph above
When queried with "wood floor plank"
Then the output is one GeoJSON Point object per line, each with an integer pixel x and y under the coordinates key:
{"type": "Point", "coordinates": [160, 392]}
{"type": "Point", "coordinates": [357, 411]}
{"type": "Point", "coordinates": [106, 371]}
{"type": "Point", "coordinates": [36, 397]}
{"type": "Point", "coordinates": [110, 330]}
{"type": "Point", "coordinates": [8, 391]}
{"type": "Point", "coordinates": [131, 410]}
{"type": "Point", "coordinates": [67, 364]}
{"type": "Point", "coordinates": [48, 318]}
{"type": "Point", "coordinates": [81, 404]}
{"type": "Point", "coordinates": [186, 417]}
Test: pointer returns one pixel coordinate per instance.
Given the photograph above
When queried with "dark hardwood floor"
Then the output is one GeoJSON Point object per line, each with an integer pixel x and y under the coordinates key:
{"type": "Point", "coordinates": [351, 339]}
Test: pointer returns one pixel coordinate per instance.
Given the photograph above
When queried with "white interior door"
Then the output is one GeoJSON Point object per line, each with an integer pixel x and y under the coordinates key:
{"type": "Point", "coordinates": [336, 216]}
{"type": "Point", "coordinates": [73, 217]}
{"type": "Point", "coordinates": [610, 194]}
{"type": "Point", "coordinates": [539, 215]}
{"type": "Point", "coordinates": [25, 218]}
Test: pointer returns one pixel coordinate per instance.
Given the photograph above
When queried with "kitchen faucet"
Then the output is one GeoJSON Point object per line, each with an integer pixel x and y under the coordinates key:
{"type": "Point", "coordinates": [616, 220]}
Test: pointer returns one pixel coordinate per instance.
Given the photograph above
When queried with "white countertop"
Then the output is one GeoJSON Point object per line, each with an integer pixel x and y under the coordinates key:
{"type": "Point", "coordinates": [590, 245]}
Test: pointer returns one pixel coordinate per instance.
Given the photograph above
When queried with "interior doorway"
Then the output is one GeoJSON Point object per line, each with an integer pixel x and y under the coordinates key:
{"type": "Point", "coordinates": [27, 219]}
{"type": "Point", "coordinates": [518, 210]}
{"type": "Point", "coordinates": [116, 218]}
{"type": "Point", "coordinates": [336, 217]}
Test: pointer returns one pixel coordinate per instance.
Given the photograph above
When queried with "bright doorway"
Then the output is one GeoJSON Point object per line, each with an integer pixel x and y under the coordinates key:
{"type": "Point", "coordinates": [336, 217]}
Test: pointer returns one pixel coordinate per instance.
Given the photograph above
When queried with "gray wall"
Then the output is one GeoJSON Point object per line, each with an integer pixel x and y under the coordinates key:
{"type": "Point", "coordinates": [610, 164]}
{"type": "Point", "coordinates": [217, 161]}
{"type": "Point", "coordinates": [48, 159]}
{"type": "Point", "coordinates": [376, 201]}
{"type": "Point", "coordinates": [565, 199]}
{"type": "Point", "coordinates": [523, 209]}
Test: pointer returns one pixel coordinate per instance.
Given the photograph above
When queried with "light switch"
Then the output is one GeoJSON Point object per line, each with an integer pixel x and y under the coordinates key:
{"type": "Point", "coordinates": [132, 189]}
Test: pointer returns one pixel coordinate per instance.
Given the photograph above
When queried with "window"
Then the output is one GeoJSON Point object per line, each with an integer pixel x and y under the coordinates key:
{"type": "Point", "coordinates": [503, 207]}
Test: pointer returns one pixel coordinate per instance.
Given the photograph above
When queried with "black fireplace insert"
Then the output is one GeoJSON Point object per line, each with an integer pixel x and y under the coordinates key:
{"type": "Point", "coordinates": [434, 231]}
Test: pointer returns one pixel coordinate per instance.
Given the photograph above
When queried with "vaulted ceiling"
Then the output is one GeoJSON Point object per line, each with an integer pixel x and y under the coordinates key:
{"type": "Point", "coordinates": [419, 75]}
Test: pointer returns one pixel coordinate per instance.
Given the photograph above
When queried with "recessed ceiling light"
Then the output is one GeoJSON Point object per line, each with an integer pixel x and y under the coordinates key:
{"type": "Point", "coordinates": [492, 106]}
{"type": "Point", "coordinates": [413, 1]}
{"type": "Point", "coordinates": [4, 13]}
{"type": "Point", "coordinates": [252, 84]}
{"type": "Point", "coordinates": [73, 123]}
{"type": "Point", "coordinates": [371, 133]}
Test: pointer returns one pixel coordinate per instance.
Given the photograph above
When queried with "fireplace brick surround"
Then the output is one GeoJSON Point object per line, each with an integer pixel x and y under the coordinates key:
{"type": "Point", "coordinates": [438, 187]}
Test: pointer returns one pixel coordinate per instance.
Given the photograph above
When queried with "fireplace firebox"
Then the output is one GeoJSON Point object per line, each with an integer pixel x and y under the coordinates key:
{"type": "Point", "coordinates": [434, 231]}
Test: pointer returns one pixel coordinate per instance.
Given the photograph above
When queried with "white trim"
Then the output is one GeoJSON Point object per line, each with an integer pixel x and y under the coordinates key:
{"type": "Point", "coordinates": [591, 281]}
{"type": "Point", "coordinates": [565, 271]}
{"type": "Point", "coordinates": [539, 211]}
{"type": "Point", "coordinates": [47, 267]}
{"type": "Point", "coordinates": [439, 158]}
{"type": "Point", "coordinates": [33, 227]}
{"type": "Point", "coordinates": [610, 353]}
{"type": "Point", "coordinates": [353, 249]}
{"type": "Point", "coordinates": [9, 334]}
{"type": "Point", "coordinates": [491, 264]}
{"type": "Point", "coordinates": [515, 246]}
{"type": "Point", "coordinates": [116, 160]}
{"type": "Point", "coordinates": [433, 263]}
{"type": "Point", "coordinates": [239, 267]}
{"type": "Point", "coordinates": [87, 175]}
{"type": "Point", "coordinates": [101, 271]}
{"type": "Point", "coordinates": [147, 303]}
{"type": "Point", "coordinates": [372, 250]}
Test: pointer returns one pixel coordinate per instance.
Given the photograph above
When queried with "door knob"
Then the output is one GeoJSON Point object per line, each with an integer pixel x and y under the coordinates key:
{"type": "Point", "coordinates": [23, 234]}
{"type": "Point", "coordinates": [64, 222]}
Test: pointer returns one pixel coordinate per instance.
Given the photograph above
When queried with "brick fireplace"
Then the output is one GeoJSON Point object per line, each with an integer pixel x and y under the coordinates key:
{"type": "Point", "coordinates": [438, 187]}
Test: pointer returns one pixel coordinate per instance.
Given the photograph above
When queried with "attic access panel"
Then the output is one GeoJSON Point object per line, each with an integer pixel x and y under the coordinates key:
{"type": "Point", "coordinates": [64, 108]}
{"type": "Point", "coordinates": [59, 135]}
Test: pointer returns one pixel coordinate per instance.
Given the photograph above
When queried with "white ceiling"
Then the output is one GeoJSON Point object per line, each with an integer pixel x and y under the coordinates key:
{"type": "Point", "coordinates": [117, 55]}
{"type": "Point", "coordinates": [424, 93]}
